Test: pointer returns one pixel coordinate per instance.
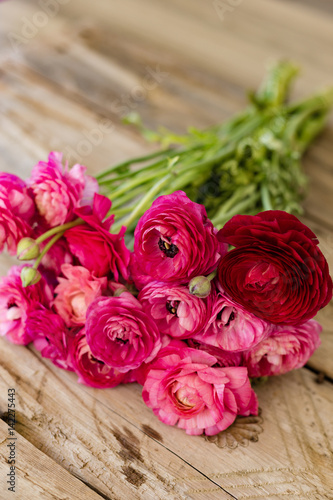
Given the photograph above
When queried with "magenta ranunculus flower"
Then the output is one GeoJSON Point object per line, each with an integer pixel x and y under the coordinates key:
{"type": "Point", "coordinates": [50, 336]}
{"type": "Point", "coordinates": [75, 292]}
{"type": "Point", "coordinates": [92, 371]}
{"type": "Point", "coordinates": [288, 348]}
{"type": "Point", "coordinates": [58, 190]}
{"type": "Point", "coordinates": [176, 312]}
{"type": "Point", "coordinates": [92, 243]}
{"type": "Point", "coordinates": [231, 327]}
{"type": "Point", "coordinates": [184, 388]}
{"type": "Point", "coordinates": [16, 302]}
{"type": "Point", "coordinates": [16, 211]}
{"type": "Point", "coordinates": [175, 241]}
{"type": "Point", "coordinates": [120, 333]}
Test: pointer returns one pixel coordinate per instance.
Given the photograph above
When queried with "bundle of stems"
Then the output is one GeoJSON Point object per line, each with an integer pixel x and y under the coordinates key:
{"type": "Point", "coordinates": [245, 165]}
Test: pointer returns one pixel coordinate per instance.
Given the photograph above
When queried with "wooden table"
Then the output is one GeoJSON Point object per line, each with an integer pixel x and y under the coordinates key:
{"type": "Point", "coordinates": [67, 77]}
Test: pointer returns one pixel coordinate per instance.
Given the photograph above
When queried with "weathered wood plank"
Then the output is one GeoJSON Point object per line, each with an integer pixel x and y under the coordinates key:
{"type": "Point", "coordinates": [94, 442]}
{"type": "Point", "coordinates": [89, 431]}
{"type": "Point", "coordinates": [36, 475]}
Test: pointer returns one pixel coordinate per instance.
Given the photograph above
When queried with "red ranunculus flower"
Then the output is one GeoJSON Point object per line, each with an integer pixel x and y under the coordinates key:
{"type": "Point", "coordinates": [276, 270]}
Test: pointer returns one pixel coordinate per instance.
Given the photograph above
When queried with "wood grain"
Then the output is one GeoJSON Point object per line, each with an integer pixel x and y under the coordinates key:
{"type": "Point", "coordinates": [81, 73]}
{"type": "Point", "coordinates": [38, 476]}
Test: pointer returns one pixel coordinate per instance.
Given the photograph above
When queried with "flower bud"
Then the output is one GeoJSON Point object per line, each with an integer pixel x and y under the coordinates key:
{"type": "Point", "coordinates": [27, 249]}
{"type": "Point", "coordinates": [200, 286]}
{"type": "Point", "coordinates": [30, 276]}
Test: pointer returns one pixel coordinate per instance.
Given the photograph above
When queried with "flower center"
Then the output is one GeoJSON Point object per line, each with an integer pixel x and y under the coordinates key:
{"type": "Point", "coordinates": [13, 312]}
{"type": "Point", "coordinates": [97, 360]}
{"type": "Point", "coordinates": [172, 306]}
{"type": "Point", "coordinates": [263, 276]}
{"type": "Point", "coordinates": [226, 315]}
{"type": "Point", "coordinates": [121, 341]}
{"type": "Point", "coordinates": [168, 248]}
{"type": "Point", "coordinates": [186, 397]}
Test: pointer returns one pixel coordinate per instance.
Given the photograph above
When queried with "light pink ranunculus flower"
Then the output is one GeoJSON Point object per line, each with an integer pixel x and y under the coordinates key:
{"type": "Point", "coordinates": [176, 312]}
{"type": "Point", "coordinates": [97, 249]}
{"type": "Point", "coordinates": [232, 328]}
{"type": "Point", "coordinates": [50, 336]}
{"type": "Point", "coordinates": [287, 348]}
{"type": "Point", "coordinates": [75, 292]}
{"type": "Point", "coordinates": [58, 190]}
{"type": "Point", "coordinates": [120, 333]}
{"type": "Point", "coordinates": [175, 241]}
{"type": "Point", "coordinates": [184, 388]}
{"type": "Point", "coordinates": [17, 209]}
{"type": "Point", "coordinates": [16, 302]}
{"type": "Point", "coordinates": [92, 371]}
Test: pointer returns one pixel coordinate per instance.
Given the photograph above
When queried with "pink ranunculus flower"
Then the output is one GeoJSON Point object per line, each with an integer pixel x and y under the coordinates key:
{"type": "Point", "coordinates": [91, 371]}
{"type": "Point", "coordinates": [16, 302]}
{"type": "Point", "coordinates": [137, 275]}
{"type": "Point", "coordinates": [231, 327]}
{"type": "Point", "coordinates": [92, 243]}
{"type": "Point", "coordinates": [176, 312]}
{"type": "Point", "coordinates": [224, 358]}
{"type": "Point", "coordinates": [120, 333]}
{"type": "Point", "coordinates": [12, 228]}
{"type": "Point", "coordinates": [16, 191]}
{"type": "Point", "coordinates": [50, 336]}
{"type": "Point", "coordinates": [287, 348]}
{"type": "Point", "coordinates": [184, 388]}
{"type": "Point", "coordinates": [16, 211]}
{"type": "Point", "coordinates": [58, 190]}
{"type": "Point", "coordinates": [175, 241]}
{"type": "Point", "coordinates": [75, 292]}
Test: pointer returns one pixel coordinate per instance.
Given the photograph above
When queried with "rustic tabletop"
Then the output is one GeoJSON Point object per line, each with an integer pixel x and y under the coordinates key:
{"type": "Point", "coordinates": [70, 70]}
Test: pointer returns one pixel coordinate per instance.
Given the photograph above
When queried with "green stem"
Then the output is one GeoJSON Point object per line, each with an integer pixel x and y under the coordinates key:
{"type": "Point", "coordinates": [128, 163]}
{"type": "Point", "coordinates": [240, 194]}
{"type": "Point", "coordinates": [265, 198]}
{"type": "Point", "coordinates": [142, 205]}
{"type": "Point", "coordinates": [212, 275]}
{"type": "Point", "coordinates": [237, 209]}
{"type": "Point", "coordinates": [58, 229]}
{"type": "Point", "coordinates": [133, 183]}
{"type": "Point", "coordinates": [47, 248]}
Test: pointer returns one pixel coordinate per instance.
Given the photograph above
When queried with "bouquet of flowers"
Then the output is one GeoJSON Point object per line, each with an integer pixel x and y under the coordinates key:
{"type": "Point", "coordinates": [191, 308]}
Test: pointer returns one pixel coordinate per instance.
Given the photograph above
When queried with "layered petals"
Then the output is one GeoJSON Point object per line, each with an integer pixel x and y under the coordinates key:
{"type": "Point", "coordinates": [75, 292]}
{"type": "Point", "coordinates": [58, 190]}
{"type": "Point", "coordinates": [175, 241]}
{"type": "Point", "coordinates": [184, 387]}
{"type": "Point", "coordinates": [120, 333]}
{"type": "Point", "coordinates": [17, 302]}
{"type": "Point", "coordinates": [276, 270]}
{"type": "Point", "coordinates": [98, 250]}
{"type": "Point", "coordinates": [176, 312]}
{"type": "Point", "coordinates": [288, 348]}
